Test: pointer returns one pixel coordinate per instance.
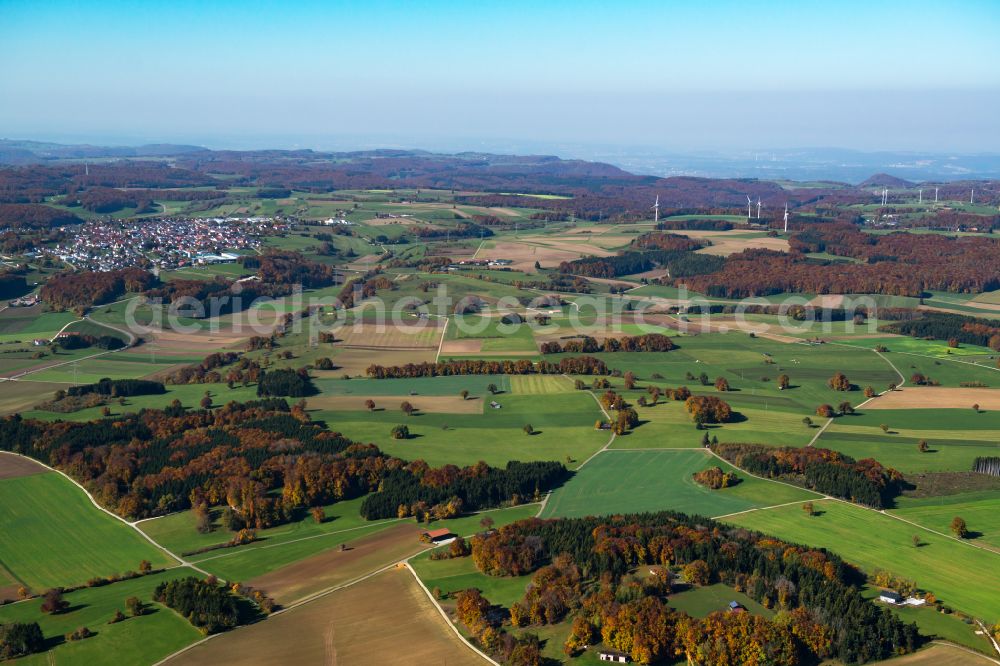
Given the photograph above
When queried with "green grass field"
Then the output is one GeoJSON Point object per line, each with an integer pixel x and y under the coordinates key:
{"type": "Point", "coordinates": [91, 370]}
{"type": "Point", "coordinates": [189, 394]}
{"type": "Point", "coordinates": [981, 511]}
{"type": "Point", "coordinates": [956, 437]}
{"type": "Point", "coordinates": [700, 601]}
{"type": "Point", "coordinates": [137, 640]}
{"type": "Point", "coordinates": [55, 536]}
{"type": "Point", "coordinates": [475, 384]}
{"type": "Point", "coordinates": [628, 481]}
{"type": "Point", "coordinates": [959, 574]}
{"type": "Point", "coordinates": [564, 425]}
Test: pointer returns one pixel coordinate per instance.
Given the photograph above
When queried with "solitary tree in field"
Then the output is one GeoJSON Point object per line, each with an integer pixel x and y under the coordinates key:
{"type": "Point", "coordinates": [400, 432]}
{"type": "Point", "coordinates": [318, 514]}
{"type": "Point", "coordinates": [959, 528]}
{"type": "Point", "coordinates": [721, 384]}
{"type": "Point", "coordinates": [465, 394]}
{"type": "Point", "coordinates": [869, 392]}
{"type": "Point", "coordinates": [840, 382]}
{"type": "Point", "coordinates": [528, 429]}
{"type": "Point", "coordinates": [922, 446]}
{"type": "Point", "coordinates": [145, 567]}
{"type": "Point", "coordinates": [629, 380]}
{"type": "Point", "coordinates": [975, 408]}
{"type": "Point", "coordinates": [783, 382]}
{"type": "Point", "coordinates": [407, 407]}
{"type": "Point", "coordinates": [53, 601]}
{"type": "Point", "coordinates": [486, 523]}
{"type": "Point", "coordinates": [492, 388]}
{"type": "Point", "coordinates": [916, 540]}
{"type": "Point", "coordinates": [809, 509]}
{"type": "Point", "coordinates": [884, 427]}
{"type": "Point", "coordinates": [206, 401]}
{"type": "Point", "coordinates": [807, 422]}
{"type": "Point", "coordinates": [892, 386]}
{"type": "Point", "coordinates": [370, 405]}
{"type": "Point", "coordinates": [845, 408]}
{"type": "Point", "coordinates": [826, 411]}
{"type": "Point", "coordinates": [703, 379]}
{"type": "Point", "coordinates": [134, 606]}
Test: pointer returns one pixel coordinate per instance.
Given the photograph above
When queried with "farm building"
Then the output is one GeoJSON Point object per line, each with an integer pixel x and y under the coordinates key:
{"type": "Point", "coordinates": [437, 536]}
{"type": "Point", "coordinates": [617, 657]}
{"type": "Point", "coordinates": [889, 597]}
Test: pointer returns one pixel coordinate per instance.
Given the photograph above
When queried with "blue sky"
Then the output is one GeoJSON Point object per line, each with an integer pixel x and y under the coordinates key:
{"type": "Point", "coordinates": [670, 75]}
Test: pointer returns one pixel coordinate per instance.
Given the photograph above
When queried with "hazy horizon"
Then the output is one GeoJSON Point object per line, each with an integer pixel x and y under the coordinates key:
{"type": "Point", "coordinates": [678, 76]}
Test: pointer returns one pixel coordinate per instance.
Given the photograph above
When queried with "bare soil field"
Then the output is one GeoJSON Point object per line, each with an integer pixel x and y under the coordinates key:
{"type": "Point", "coordinates": [354, 361]}
{"type": "Point", "coordinates": [390, 337]}
{"type": "Point", "coordinates": [24, 394]}
{"type": "Point", "coordinates": [333, 567]}
{"type": "Point", "coordinates": [168, 342]}
{"type": "Point", "coordinates": [724, 243]}
{"type": "Point", "coordinates": [930, 397]}
{"type": "Point", "coordinates": [941, 655]}
{"type": "Point", "coordinates": [13, 466]}
{"type": "Point", "coordinates": [830, 301]}
{"type": "Point", "coordinates": [385, 619]}
{"type": "Point", "coordinates": [548, 253]}
{"type": "Point", "coordinates": [464, 346]}
{"type": "Point", "coordinates": [724, 324]}
{"type": "Point", "coordinates": [437, 404]}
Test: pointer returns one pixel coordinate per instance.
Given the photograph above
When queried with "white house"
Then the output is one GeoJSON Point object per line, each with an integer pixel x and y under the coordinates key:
{"type": "Point", "coordinates": [889, 597]}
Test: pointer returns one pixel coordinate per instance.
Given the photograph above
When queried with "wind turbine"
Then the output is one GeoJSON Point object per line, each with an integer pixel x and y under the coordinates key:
{"type": "Point", "coordinates": [935, 195]}
{"type": "Point", "coordinates": [758, 208]}
{"type": "Point", "coordinates": [786, 217]}
{"type": "Point", "coordinates": [748, 209]}
{"type": "Point", "coordinates": [920, 197]}
{"type": "Point", "coordinates": [972, 195]}
{"type": "Point", "coordinates": [656, 210]}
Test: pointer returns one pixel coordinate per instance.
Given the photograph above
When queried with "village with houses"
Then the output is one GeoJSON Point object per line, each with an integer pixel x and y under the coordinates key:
{"type": "Point", "coordinates": [164, 243]}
